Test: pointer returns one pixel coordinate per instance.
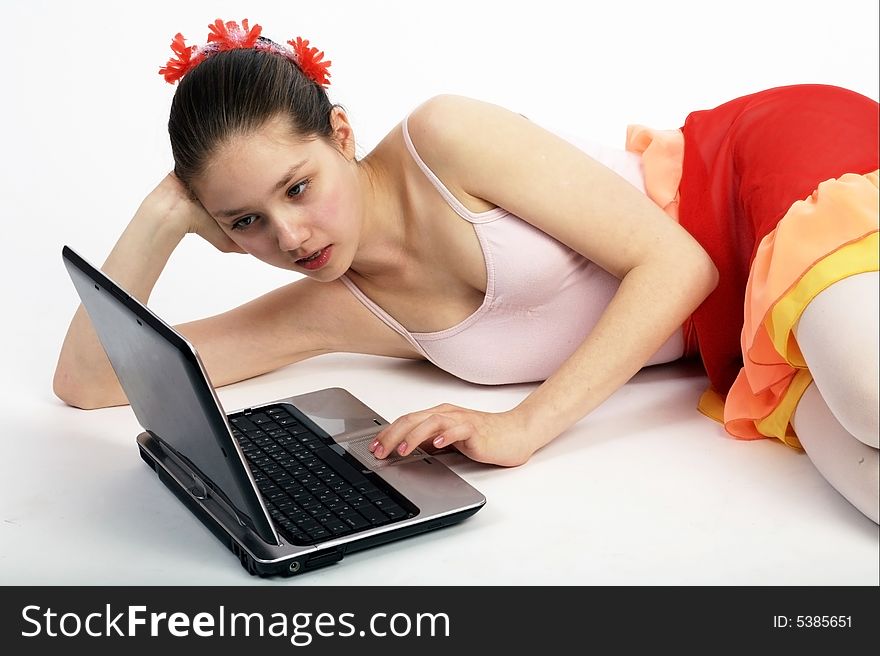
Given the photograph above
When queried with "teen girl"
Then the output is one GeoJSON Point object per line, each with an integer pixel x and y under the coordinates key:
{"type": "Point", "coordinates": [502, 253]}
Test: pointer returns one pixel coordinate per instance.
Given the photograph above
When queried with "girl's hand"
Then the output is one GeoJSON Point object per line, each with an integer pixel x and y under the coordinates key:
{"type": "Point", "coordinates": [494, 438]}
{"type": "Point", "coordinates": [171, 201]}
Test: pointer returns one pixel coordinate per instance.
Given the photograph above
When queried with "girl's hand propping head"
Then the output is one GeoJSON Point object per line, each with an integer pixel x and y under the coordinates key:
{"type": "Point", "coordinates": [172, 201]}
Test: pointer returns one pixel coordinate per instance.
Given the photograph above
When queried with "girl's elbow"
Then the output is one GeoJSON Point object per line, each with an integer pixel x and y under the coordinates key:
{"type": "Point", "coordinates": [710, 273]}
{"type": "Point", "coordinates": [705, 274]}
{"type": "Point", "coordinates": [695, 272]}
{"type": "Point", "coordinates": [694, 262]}
{"type": "Point", "coordinates": [74, 398]}
{"type": "Point", "coordinates": [84, 396]}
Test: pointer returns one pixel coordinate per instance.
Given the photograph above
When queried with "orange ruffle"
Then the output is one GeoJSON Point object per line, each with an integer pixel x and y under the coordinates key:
{"type": "Point", "coordinates": [829, 236]}
{"type": "Point", "coordinates": [662, 154]}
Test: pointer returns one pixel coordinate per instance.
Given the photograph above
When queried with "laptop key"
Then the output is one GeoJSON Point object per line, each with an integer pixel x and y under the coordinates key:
{"type": "Point", "coordinates": [338, 464]}
{"type": "Point", "coordinates": [354, 519]}
{"type": "Point", "coordinates": [282, 478]}
{"type": "Point", "coordinates": [284, 504]}
{"type": "Point", "coordinates": [386, 505]}
{"type": "Point", "coordinates": [338, 506]}
{"type": "Point", "coordinates": [323, 517]}
{"type": "Point", "coordinates": [346, 492]}
{"type": "Point", "coordinates": [291, 486]}
{"type": "Point", "coordinates": [242, 424]}
{"type": "Point", "coordinates": [394, 511]}
{"type": "Point", "coordinates": [316, 487]}
{"type": "Point", "coordinates": [375, 517]}
{"type": "Point", "coordinates": [337, 527]}
{"type": "Point", "coordinates": [298, 516]}
{"type": "Point", "coordinates": [319, 533]}
{"type": "Point", "coordinates": [320, 471]}
{"type": "Point", "coordinates": [339, 486]}
{"type": "Point", "coordinates": [306, 502]}
{"type": "Point", "coordinates": [307, 526]}
{"type": "Point", "coordinates": [358, 502]}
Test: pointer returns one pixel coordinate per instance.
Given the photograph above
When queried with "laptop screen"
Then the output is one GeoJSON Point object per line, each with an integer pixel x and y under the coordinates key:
{"type": "Point", "coordinates": [168, 388]}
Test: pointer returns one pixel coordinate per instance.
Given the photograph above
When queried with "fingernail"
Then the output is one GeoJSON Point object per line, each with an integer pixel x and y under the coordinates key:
{"type": "Point", "coordinates": [373, 445]}
{"type": "Point", "coordinates": [438, 441]}
{"type": "Point", "coordinates": [402, 448]}
{"type": "Point", "coordinates": [379, 452]}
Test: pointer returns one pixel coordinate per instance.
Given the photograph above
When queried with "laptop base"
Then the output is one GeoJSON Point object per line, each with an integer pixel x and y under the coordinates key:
{"type": "Point", "coordinates": [328, 410]}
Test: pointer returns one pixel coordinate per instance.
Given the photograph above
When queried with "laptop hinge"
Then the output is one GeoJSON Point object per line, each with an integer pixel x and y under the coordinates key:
{"type": "Point", "coordinates": [199, 490]}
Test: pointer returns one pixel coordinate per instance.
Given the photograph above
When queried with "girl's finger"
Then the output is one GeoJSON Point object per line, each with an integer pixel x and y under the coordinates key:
{"type": "Point", "coordinates": [456, 433]}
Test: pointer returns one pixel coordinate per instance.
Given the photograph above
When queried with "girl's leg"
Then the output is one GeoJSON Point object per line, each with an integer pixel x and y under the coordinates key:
{"type": "Point", "coordinates": [839, 337]}
{"type": "Point", "coordinates": [849, 465]}
{"type": "Point", "coordinates": [838, 418]}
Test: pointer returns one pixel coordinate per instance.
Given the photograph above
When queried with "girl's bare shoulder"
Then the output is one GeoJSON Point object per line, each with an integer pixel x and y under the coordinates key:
{"type": "Point", "coordinates": [425, 138]}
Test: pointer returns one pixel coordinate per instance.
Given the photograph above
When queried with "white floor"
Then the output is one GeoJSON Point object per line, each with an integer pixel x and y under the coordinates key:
{"type": "Point", "coordinates": [646, 491]}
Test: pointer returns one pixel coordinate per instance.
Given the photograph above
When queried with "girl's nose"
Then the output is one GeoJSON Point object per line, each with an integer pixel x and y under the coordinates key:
{"type": "Point", "coordinates": [290, 233]}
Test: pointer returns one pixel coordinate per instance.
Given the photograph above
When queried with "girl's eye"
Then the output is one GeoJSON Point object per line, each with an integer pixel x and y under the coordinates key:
{"type": "Point", "coordinates": [294, 192]}
{"type": "Point", "coordinates": [298, 189]}
{"type": "Point", "coordinates": [244, 222]}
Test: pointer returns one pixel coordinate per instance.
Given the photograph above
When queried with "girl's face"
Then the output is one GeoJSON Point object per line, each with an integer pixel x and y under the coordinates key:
{"type": "Point", "coordinates": [291, 203]}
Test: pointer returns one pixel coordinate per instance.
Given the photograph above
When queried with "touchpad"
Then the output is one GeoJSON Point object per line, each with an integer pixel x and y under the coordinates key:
{"type": "Point", "coordinates": [360, 449]}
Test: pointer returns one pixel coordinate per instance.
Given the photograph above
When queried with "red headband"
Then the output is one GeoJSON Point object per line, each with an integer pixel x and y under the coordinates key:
{"type": "Point", "coordinates": [229, 36]}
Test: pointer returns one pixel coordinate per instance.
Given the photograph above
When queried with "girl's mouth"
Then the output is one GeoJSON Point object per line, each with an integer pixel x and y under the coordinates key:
{"type": "Point", "coordinates": [316, 260]}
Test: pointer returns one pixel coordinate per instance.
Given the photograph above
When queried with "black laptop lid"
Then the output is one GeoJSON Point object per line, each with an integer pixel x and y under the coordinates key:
{"type": "Point", "coordinates": [168, 389]}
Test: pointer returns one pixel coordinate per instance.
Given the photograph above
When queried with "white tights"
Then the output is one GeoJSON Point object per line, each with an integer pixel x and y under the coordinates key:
{"type": "Point", "coordinates": [838, 418]}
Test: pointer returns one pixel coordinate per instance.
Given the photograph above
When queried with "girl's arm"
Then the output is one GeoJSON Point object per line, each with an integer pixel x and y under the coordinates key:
{"type": "Point", "coordinates": [83, 375]}
{"type": "Point", "coordinates": [491, 153]}
{"type": "Point", "coordinates": [284, 326]}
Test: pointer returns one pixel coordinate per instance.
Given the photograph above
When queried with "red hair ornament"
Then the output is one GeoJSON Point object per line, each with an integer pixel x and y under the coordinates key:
{"type": "Point", "coordinates": [229, 36]}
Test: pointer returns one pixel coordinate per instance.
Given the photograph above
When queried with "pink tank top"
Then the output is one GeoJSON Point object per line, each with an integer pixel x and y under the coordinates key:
{"type": "Point", "coordinates": [538, 309]}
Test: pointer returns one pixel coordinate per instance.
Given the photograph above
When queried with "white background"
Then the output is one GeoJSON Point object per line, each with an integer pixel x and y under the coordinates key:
{"type": "Point", "coordinates": [656, 493]}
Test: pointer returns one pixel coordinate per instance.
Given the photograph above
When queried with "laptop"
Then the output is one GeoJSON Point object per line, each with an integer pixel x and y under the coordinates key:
{"type": "Point", "coordinates": [289, 485]}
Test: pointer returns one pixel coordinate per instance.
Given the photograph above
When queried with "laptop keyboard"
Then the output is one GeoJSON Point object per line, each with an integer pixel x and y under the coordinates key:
{"type": "Point", "coordinates": [313, 494]}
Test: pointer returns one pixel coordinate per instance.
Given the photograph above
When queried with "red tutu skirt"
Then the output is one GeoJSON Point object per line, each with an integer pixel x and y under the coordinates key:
{"type": "Point", "coordinates": [781, 189]}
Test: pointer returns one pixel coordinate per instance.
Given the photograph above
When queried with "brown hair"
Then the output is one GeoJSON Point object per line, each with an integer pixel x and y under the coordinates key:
{"type": "Point", "coordinates": [234, 93]}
